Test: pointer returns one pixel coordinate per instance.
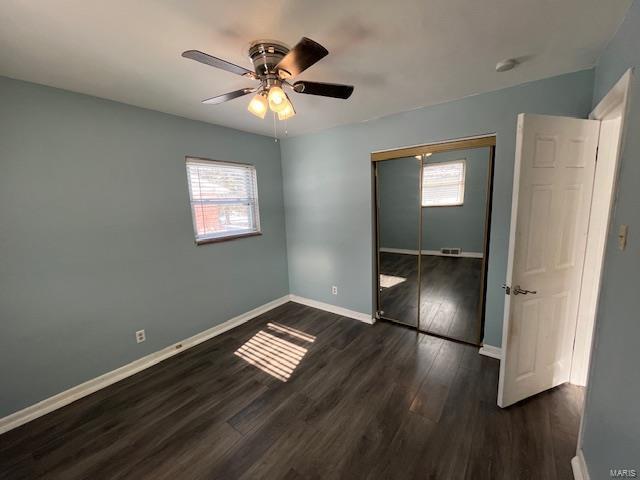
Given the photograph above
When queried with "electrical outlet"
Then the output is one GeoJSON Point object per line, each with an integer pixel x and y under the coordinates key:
{"type": "Point", "coordinates": [334, 290]}
{"type": "Point", "coordinates": [140, 336]}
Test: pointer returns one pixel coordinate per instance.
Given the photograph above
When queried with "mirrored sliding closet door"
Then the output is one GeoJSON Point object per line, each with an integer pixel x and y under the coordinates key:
{"type": "Point", "coordinates": [433, 210]}
{"type": "Point", "coordinates": [398, 198]}
{"type": "Point", "coordinates": [454, 213]}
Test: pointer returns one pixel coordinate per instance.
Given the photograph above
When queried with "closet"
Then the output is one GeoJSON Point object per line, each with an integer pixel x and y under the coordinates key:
{"type": "Point", "coordinates": [432, 216]}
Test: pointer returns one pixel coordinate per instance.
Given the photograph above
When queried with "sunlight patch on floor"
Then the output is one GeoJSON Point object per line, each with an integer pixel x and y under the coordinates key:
{"type": "Point", "coordinates": [388, 281]}
{"type": "Point", "coordinates": [275, 355]}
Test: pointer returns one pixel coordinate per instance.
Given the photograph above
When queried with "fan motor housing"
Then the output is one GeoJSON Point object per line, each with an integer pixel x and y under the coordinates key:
{"type": "Point", "coordinates": [265, 55]}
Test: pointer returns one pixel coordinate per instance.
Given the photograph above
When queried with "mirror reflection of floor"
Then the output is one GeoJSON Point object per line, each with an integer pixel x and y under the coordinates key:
{"type": "Point", "coordinates": [399, 299]}
{"type": "Point", "coordinates": [450, 295]}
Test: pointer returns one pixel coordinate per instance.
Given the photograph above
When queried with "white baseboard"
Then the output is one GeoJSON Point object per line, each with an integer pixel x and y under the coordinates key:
{"type": "Point", "coordinates": [399, 250]}
{"type": "Point", "coordinates": [431, 252]}
{"type": "Point", "coordinates": [462, 254]}
{"type": "Point", "coordinates": [579, 467]}
{"type": "Point", "coordinates": [491, 351]}
{"type": "Point", "coordinates": [68, 396]}
{"type": "Point", "coordinates": [345, 312]}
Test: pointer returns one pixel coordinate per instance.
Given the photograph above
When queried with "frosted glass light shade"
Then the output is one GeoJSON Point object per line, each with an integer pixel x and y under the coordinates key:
{"type": "Point", "coordinates": [288, 111]}
{"type": "Point", "coordinates": [258, 105]}
{"type": "Point", "coordinates": [277, 99]}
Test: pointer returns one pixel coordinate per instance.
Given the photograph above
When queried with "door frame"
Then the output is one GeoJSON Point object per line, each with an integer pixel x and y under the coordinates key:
{"type": "Point", "coordinates": [614, 104]}
{"type": "Point", "coordinates": [479, 141]}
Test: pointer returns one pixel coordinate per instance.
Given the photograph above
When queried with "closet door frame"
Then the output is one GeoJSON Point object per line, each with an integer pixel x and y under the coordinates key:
{"type": "Point", "coordinates": [414, 151]}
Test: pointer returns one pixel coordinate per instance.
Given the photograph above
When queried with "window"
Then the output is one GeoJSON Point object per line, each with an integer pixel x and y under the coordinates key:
{"type": "Point", "coordinates": [443, 184]}
{"type": "Point", "coordinates": [224, 199]}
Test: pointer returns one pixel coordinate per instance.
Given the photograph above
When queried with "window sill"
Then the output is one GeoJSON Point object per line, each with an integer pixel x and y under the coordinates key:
{"type": "Point", "coordinates": [204, 241]}
{"type": "Point", "coordinates": [448, 205]}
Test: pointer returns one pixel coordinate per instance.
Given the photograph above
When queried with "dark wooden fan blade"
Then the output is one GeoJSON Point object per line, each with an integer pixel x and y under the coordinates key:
{"type": "Point", "coordinates": [334, 90]}
{"type": "Point", "coordinates": [302, 56]}
{"type": "Point", "coordinates": [228, 96]}
{"type": "Point", "coordinates": [202, 57]}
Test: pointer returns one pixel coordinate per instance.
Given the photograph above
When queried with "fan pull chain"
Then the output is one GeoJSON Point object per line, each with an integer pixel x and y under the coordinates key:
{"type": "Point", "coordinates": [275, 128]}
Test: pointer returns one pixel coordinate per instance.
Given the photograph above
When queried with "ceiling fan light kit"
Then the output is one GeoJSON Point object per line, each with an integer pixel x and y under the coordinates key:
{"type": "Point", "coordinates": [274, 65]}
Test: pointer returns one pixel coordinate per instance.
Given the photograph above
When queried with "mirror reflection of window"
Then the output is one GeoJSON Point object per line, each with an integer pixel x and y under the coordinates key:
{"type": "Point", "coordinates": [443, 184]}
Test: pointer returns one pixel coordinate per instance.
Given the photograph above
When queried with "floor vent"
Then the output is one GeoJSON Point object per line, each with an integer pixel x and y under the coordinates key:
{"type": "Point", "coordinates": [450, 251]}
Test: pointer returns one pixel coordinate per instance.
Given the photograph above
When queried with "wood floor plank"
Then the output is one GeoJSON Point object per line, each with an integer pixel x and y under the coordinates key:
{"type": "Point", "coordinates": [400, 459]}
{"type": "Point", "coordinates": [377, 436]}
{"type": "Point", "coordinates": [432, 395]}
{"type": "Point", "coordinates": [565, 409]}
{"type": "Point", "coordinates": [490, 456]}
{"type": "Point", "coordinates": [254, 445]}
{"type": "Point", "coordinates": [276, 461]}
{"type": "Point", "coordinates": [446, 453]}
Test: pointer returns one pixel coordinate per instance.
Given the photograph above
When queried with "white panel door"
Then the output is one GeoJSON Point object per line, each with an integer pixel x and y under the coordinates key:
{"type": "Point", "coordinates": [553, 183]}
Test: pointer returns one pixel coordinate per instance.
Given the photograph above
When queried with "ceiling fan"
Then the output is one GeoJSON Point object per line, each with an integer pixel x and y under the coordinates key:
{"type": "Point", "coordinates": [274, 67]}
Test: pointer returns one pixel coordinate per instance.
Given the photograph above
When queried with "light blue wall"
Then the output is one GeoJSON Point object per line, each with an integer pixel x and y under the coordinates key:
{"type": "Point", "coordinates": [399, 200]}
{"type": "Point", "coordinates": [96, 237]}
{"type": "Point", "coordinates": [458, 226]}
{"type": "Point", "coordinates": [327, 184]}
{"type": "Point", "coordinates": [612, 413]}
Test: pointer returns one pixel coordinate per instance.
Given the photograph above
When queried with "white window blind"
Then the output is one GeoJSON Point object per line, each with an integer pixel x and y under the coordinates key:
{"type": "Point", "coordinates": [443, 184]}
{"type": "Point", "coordinates": [224, 199]}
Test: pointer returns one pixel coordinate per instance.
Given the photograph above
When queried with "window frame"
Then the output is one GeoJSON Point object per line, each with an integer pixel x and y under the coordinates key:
{"type": "Point", "coordinates": [232, 236]}
{"type": "Point", "coordinates": [463, 161]}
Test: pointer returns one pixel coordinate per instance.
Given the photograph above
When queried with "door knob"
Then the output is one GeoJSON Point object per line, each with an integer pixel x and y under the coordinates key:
{"type": "Point", "coordinates": [517, 290]}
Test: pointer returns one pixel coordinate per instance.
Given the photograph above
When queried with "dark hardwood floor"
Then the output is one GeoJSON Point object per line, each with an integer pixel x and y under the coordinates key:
{"type": "Point", "coordinates": [360, 401]}
{"type": "Point", "coordinates": [449, 294]}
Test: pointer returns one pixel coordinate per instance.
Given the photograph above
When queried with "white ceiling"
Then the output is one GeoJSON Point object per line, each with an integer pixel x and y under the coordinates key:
{"type": "Point", "coordinates": [399, 54]}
